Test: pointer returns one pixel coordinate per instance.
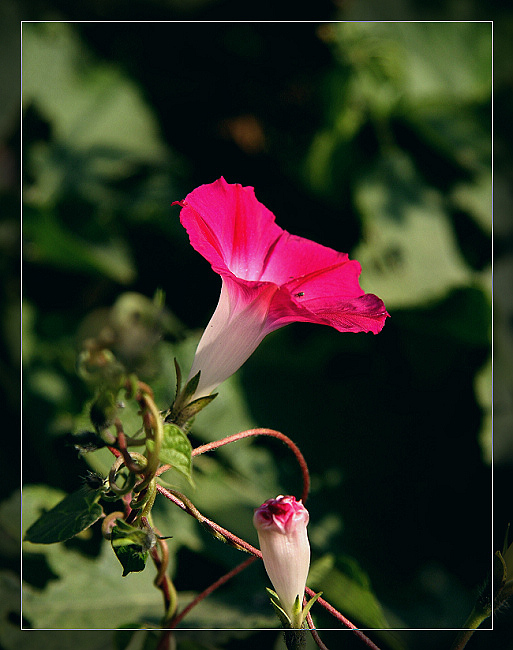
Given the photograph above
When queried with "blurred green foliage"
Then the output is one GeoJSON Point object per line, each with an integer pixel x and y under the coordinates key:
{"type": "Point", "coordinates": [371, 138]}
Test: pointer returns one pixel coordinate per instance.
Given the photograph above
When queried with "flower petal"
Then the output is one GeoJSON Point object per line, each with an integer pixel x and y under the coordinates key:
{"type": "Point", "coordinates": [281, 526]}
{"type": "Point", "coordinates": [365, 313]}
{"type": "Point", "coordinates": [235, 330]}
{"type": "Point", "coordinates": [230, 228]}
{"type": "Point", "coordinates": [270, 278]}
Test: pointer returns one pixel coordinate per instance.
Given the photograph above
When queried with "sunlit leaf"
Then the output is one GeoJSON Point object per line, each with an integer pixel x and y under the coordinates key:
{"type": "Point", "coordinates": [409, 251]}
{"type": "Point", "coordinates": [14, 638]}
{"type": "Point", "coordinates": [50, 242]}
{"type": "Point", "coordinates": [426, 49]}
{"type": "Point", "coordinates": [92, 105]}
{"type": "Point", "coordinates": [90, 593]}
{"type": "Point", "coordinates": [476, 199]}
{"type": "Point", "coordinates": [72, 515]}
{"type": "Point", "coordinates": [175, 451]}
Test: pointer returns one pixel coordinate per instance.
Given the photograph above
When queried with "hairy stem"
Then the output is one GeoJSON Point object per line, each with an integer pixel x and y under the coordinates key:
{"type": "Point", "coordinates": [314, 633]}
{"type": "Point", "coordinates": [334, 612]}
{"type": "Point", "coordinates": [477, 616]}
{"type": "Point", "coordinates": [186, 506]}
{"type": "Point", "coordinates": [210, 446]}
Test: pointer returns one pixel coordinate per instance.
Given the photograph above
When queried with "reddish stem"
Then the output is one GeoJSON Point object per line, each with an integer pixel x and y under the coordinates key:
{"type": "Point", "coordinates": [334, 612]}
{"type": "Point", "coordinates": [315, 634]}
{"type": "Point", "coordinates": [263, 432]}
{"type": "Point", "coordinates": [218, 583]}
{"type": "Point", "coordinates": [233, 539]}
{"type": "Point", "coordinates": [161, 581]}
{"type": "Point", "coordinates": [165, 641]}
{"type": "Point", "coordinates": [130, 464]}
{"type": "Point", "coordinates": [254, 551]}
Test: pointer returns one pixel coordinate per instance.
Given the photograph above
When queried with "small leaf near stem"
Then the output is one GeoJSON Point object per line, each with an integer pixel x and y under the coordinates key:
{"type": "Point", "coordinates": [131, 545]}
{"type": "Point", "coordinates": [175, 452]}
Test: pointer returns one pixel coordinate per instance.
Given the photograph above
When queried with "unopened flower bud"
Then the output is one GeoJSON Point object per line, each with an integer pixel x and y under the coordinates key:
{"type": "Point", "coordinates": [281, 526]}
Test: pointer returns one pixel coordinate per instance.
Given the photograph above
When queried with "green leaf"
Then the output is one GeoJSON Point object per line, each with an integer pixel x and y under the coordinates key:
{"type": "Point", "coordinates": [409, 253]}
{"type": "Point", "coordinates": [427, 47]}
{"type": "Point", "coordinates": [91, 593]}
{"type": "Point", "coordinates": [72, 515]}
{"type": "Point", "coordinates": [92, 104]}
{"type": "Point", "coordinates": [53, 243]}
{"type": "Point", "coordinates": [176, 450]}
{"type": "Point", "coordinates": [349, 591]}
{"type": "Point", "coordinates": [131, 546]}
{"type": "Point", "coordinates": [14, 638]}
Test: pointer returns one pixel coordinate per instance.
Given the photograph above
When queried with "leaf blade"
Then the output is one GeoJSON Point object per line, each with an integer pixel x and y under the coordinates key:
{"type": "Point", "coordinates": [74, 514]}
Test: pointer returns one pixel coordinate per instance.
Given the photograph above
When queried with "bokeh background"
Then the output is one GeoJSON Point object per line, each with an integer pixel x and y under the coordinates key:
{"type": "Point", "coordinates": [372, 138]}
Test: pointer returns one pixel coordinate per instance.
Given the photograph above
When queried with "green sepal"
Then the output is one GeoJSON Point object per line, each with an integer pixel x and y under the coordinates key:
{"type": "Point", "coordinates": [178, 372]}
{"type": "Point", "coordinates": [297, 615]}
{"type": "Point", "coordinates": [193, 408]}
{"type": "Point", "coordinates": [280, 612]}
{"type": "Point", "coordinates": [75, 513]}
{"type": "Point", "coordinates": [190, 388]}
{"type": "Point", "coordinates": [176, 450]}
{"type": "Point", "coordinates": [308, 606]}
{"type": "Point", "coordinates": [184, 410]}
{"type": "Point", "coordinates": [131, 546]}
{"type": "Point", "coordinates": [500, 571]}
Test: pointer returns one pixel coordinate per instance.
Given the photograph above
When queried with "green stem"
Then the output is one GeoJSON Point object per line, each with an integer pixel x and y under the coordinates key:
{"type": "Point", "coordinates": [158, 437]}
{"type": "Point", "coordinates": [173, 599]}
{"type": "Point", "coordinates": [150, 498]}
{"type": "Point", "coordinates": [477, 616]}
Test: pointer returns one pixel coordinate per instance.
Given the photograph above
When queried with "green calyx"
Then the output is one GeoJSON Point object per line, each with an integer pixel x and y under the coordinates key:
{"type": "Point", "coordinates": [296, 620]}
{"type": "Point", "coordinates": [185, 407]}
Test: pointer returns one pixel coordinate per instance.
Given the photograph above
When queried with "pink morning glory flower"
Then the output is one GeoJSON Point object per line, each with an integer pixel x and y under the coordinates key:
{"type": "Point", "coordinates": [281, 526]}
{"type": "Point", "coordinates": [269, 278]}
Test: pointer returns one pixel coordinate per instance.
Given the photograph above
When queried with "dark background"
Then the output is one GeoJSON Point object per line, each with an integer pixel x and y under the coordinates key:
{"type": "Point", "coordinates": [390, 425]}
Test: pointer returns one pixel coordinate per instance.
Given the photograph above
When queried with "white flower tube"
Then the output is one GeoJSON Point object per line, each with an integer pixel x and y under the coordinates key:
{"type": "Point", "coordinates": [281, 526]}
